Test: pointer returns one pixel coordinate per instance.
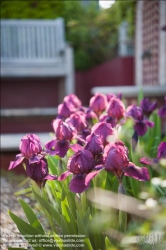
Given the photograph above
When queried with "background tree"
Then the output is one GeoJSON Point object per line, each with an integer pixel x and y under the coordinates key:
{"type": "Point", "coordinates": [92, 32]}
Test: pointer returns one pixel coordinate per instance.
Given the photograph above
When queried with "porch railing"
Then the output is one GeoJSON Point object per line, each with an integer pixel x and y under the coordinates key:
{"type": "Point", "coordinates": [37, 48]}
{"type": "Point", "coordinates": [32, 40]}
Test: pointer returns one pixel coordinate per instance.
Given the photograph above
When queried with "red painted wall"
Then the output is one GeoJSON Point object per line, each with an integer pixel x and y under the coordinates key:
{"type": "Point", "coordinates": [29, 92]}
{"type": "Point", "coordinates": [117, 72]}
{"type": "Point", "coordinates": [44, 92]}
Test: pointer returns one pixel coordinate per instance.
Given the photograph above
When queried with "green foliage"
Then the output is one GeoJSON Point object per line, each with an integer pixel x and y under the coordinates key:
{"type": "Point", "coordinates": [93, 33]}
{"type": "Point", "coordinates": [126, 11]}
{"type": "Point", "coordinates": [31, 9]}
{"type": "Point", "coordinates": [106, 219]}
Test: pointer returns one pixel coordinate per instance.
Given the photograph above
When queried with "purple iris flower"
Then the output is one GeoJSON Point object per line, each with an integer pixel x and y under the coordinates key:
{"type": "Point", "coordinates": [147, 106]}
{"type": "Point", "coordinates": [103, 130]}
{"type": "Point", "coordinates": [83, 135]}
{"type": "Point", "coordinates": [95, 146]}
{"type": "Point", "coordinates": [162, 111]}
{"type": "Point", "coordinates": [117, 162]}
{"type": "Point", "coordinates": [73, 99]}
{"type": "Point", "coordinates": [141, 124]}
{"type": "Point", "coordinates": [31, 149]}
{"type": "Point", "coordinates": [116, 108]}
{"type": "Point", "coordinates": [64, 135]}
{"type": "Point", "coordinates": [98, 103]}
{"type": "Point", "coordinates": [80, 165]}
{"type": "Point", "coordinates": [135, 112]}
{"type": "Point", "coordinates": [161, 153]}
{"type": "Point", "coordinates": [65, 109]}
{"type": "Point", "coordinates": [119, 95]}
{"type": "Point", "coordinates": [39, 172]}
{"type": "Point", "coordinates": [90, 116]}
{"type": "Point", "coordinates": [110, 96]}
{"type": "Point", "coordinates": [78, 120]}
{"type": "Point", "coordinates": [106, 118]}
{"type": "Point", "coordinates": [161, 150]}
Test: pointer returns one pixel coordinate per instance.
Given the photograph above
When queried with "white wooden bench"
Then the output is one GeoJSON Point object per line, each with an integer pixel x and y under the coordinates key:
{"type": "Point", "coordinates": [11, 142]}
{"type": "Point", "coordinates": [34, 48]}
{"type": "Point", "coordinates": [37, 48]}
{"type": "Point", "coordinates": [131, 91]}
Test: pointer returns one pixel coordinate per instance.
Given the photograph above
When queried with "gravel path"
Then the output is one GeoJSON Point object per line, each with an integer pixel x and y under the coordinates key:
{"type": "Point", "coordinates": [10, 236]}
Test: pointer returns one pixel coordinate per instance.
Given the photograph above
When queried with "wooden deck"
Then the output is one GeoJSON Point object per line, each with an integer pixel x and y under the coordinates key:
{"type": "Point", "coordinates": [37, 48]}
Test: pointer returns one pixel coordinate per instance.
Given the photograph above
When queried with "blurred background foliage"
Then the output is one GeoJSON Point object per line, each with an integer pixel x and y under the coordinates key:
{"type": "Point", "coordinates": [91, 31]}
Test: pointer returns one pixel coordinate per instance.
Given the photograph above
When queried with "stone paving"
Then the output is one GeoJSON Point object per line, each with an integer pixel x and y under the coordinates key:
{"type": "Point", "coordinates": [10, 235]}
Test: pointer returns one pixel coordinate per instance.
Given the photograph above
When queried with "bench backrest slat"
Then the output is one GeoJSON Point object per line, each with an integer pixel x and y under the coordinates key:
{"type": "Point", "coordinates": [29, 40]}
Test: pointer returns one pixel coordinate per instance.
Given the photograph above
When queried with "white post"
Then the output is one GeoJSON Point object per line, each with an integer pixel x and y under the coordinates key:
{"type": "Point", "coordinates": [69, 79]}
{"type": "Point", "coordinates": [162, 43]}
{"type": "Point", "coordinates": [138, 44]}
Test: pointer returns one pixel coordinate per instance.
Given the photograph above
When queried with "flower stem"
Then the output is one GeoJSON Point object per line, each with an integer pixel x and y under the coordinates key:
{"type": "Point", "coordinates": [122, 224]}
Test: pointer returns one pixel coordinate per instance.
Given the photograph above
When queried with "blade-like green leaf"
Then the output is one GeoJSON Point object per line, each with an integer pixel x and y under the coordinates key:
{"type": "Point", "coordinates": [23, 191]}
{"type": "Point", "coordinates": [58, 240]}
{"type": "Point", "coordinates": [52, 164]}
{"type": "Point", "coordinates": [68, 217]}
{"type": "Point", "coordinates": [33, 220]}
{"type": "Point", "coordinates": [81, 228]}
{"type": "Point", "coordinates": [83, 201]}
{"type": "Point", "coordinates": [71, 202]}
{"type": "Point", "coordinates": [135, 187]}
{"type": "Point", "coordinates": [65, 231]}
{"type": "Point", "coordinates": [26, 229]}
{"type": "Point", "coordinates": [88, 245]}
{"type": "Point", "coordinates": [49, 208]}
{"type": "Point", "coordinates": [86, 220]}
{"type": "Point", "coordinates": [33, 235]}
{"type": "Point", "coordinates": [15, 248]}
{"type": "Point", "coordinates": [109, 245]}
{"type": "Point", "coordinates": [140, 96]}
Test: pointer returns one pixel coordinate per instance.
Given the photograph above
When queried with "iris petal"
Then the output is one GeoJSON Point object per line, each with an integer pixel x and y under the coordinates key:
{"type": "Point", "coordinates": [14, 164]}
{"type": "Point", "coordinates": [81, 183]}
{"type": "Point", "coordinates": [51, 177]}
{"type": "Point", "coordinates": [141, 128]}
{"type": "Point", "coordinates": [35, 158]}
{"type": "Point", "coordinates": [76, 147]}
{"type": "Point", "coordinates": [50, 144]}
{"type": "Point", "coordinates": [64, 175]}
{"type": "Point", "coordinates": [61, 148]}
{"type": "Point", "coordinates": [138, 173]}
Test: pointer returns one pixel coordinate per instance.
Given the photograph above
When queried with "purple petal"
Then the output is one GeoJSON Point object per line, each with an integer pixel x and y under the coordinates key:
{"type": "Point", "coordinates": [51, 152]}
{"type": "Point", "coordinates": [51, 177]}
{"type": "Point", "coordinates": [50, 144]}
{"type": "Point", "coordinates": [14, 164]}
{"type": "Point", "coordinates": [162, 111]}
{"type": "Point", "coordinates": [61, 147]}
{"type": "Point", "coordinates": [37, 171]}
{"type": "Point", "coordinates": [99, 167]}
{"type": "Point", "coordinates": [35, 158]}
{"type": "Point", "coordinates": [149, 123]}
{"type": "Point", "coordinates": [30, 170]}
{"type": "Point", "coordinates": [146, 161]}
{"type": "Point", "coordinates": [76, 147]}
{"type": "Point", "coordinates": [77, 184]}
{"type": "Point", "coordinates": [80, 183]}
{"type": "Point", "coordinates": [64, 175]}
{"type": "Point", "coordinates": [90, 176]}
{"type": "Point", "coordinates": [141, 128]}
{"type": "Point", "coordinates": [153, 106]}
{"type": "Point", "coordinates": [138, 173]}
{"type": "Point", "coordinates": [80, 139]}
